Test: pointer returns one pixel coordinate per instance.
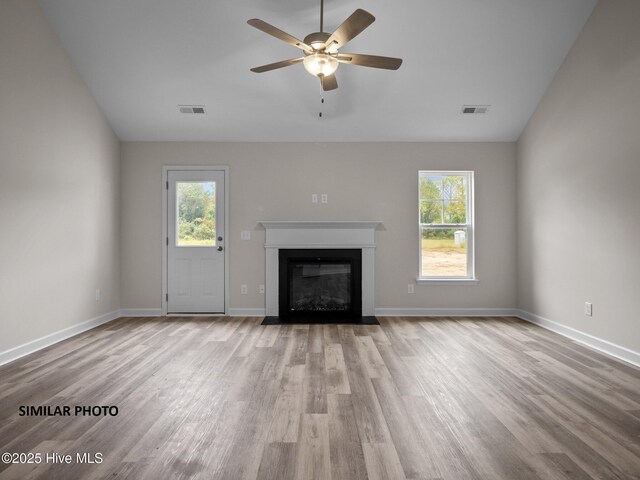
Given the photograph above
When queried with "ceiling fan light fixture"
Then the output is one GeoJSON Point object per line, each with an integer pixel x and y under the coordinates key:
{"type": "Point", "coordinates": [320, 64]}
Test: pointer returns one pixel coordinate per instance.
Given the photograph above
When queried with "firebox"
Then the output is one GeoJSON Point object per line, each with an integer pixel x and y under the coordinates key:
{"type": "Point", "coordinates": [320, 284]}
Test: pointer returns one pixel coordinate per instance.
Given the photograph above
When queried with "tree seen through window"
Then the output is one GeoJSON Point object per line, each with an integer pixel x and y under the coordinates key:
{"type": "Point", "coordinates": [196, 214]}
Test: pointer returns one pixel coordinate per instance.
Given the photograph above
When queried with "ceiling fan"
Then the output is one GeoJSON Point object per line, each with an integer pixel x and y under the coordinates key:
{"type": "Point", "coordinates": [321, 57]}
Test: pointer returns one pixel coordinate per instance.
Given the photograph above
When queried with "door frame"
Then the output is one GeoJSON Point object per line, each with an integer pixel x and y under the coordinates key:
{"type": "Point", "coordinates": [165, 227]}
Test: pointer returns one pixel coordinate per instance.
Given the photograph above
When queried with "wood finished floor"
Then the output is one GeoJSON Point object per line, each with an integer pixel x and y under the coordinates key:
{"type": "Point", "coordinates": [414, 398]}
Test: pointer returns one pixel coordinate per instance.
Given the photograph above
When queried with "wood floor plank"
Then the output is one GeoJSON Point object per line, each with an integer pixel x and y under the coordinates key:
{"type": "Point", "coordinates": [372, 425]}
{"type": "Point", "coordinates": [286, 419]}
{"type": "Point", "coordinates": [315, 384]}
{"type": "Point", "coordinates": [453, 398]}
{"type": "Point", "coordinates": [416, 460]}
{"type": "Point", "coordinates": [313, 453]}
{"type": "Point", "coordinates": [402, 375]}
{"type": "Point", "coordinates": [316, 344]}
{"type": "Point", "coordinates": [278, 461]}
{"type": "Point", "coordinates": [336, 369]}
{"type": "Point", "coordinates": [382, 462]}
{"type": "Point", "coordinates": [619, 457]}
{"type": "Point", "coordinates": [347, 458]}
{"type": "Point", "coordinates": [300, 346]}
{"type": "Point", "coordinates": [268, 336]}
{"type": "Point", "coordinates": [370, 357]}
{"type": "Point", "coordinates": [330, 334]}
{"type": "Point", "coordinates": [455, 459]}
{"type": "Point", "coordinates": [561, 466]}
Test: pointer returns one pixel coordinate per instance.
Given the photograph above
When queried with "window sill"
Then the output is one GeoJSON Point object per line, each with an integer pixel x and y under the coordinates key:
{"type": "Point", "coordinates": [444, 281]}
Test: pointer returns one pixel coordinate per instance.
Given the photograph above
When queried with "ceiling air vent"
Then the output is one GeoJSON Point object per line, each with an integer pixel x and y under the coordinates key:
{"type": "Point", "coordinates": [474, 109]}
{"type": "Point", "coordinates": [197, 109]}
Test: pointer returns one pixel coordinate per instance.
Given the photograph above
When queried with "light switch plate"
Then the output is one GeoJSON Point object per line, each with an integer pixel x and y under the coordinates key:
{"type": "Point", "coordinates": [588, 309]}
{"type": "Point", "coordinates": [245, 235]}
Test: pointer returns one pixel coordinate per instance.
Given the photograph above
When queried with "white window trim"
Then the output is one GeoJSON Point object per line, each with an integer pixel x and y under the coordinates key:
{"type": "Point", "coordinates": [446, 281]}
{"type": "Point", "coordinates": [471, 278]}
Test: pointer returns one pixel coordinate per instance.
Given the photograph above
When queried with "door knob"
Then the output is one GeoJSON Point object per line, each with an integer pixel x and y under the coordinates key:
{"type": "Point", "coordinates": [219, 239]}
{"type": "Point", "coordinates": [220, 248]}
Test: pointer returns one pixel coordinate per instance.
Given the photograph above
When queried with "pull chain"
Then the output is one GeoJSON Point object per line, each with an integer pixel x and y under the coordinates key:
{"type": "Point", "coordinates": [321, 95]}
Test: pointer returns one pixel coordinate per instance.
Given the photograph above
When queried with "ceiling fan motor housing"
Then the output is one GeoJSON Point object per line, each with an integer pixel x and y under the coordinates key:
{"type": "Point", "coordinates": [316, 40]}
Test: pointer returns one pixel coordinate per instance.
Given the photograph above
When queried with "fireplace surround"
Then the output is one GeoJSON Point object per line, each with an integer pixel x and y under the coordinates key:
{"type": "Point", "coordinates": [321, 235]}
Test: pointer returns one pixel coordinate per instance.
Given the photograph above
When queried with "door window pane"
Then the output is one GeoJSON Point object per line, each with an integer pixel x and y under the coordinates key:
{"type": "Point", "coordinates": [196, 215]}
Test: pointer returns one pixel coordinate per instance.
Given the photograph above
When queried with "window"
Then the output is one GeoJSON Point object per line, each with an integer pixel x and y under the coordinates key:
{"type": "Point", "coordinates": [196, 207]}
{"type": "Point", "coordinates": [446, 225]}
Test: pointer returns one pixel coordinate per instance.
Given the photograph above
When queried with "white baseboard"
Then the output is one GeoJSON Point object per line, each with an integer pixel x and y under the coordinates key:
{"type": "Point", "coordinates": [408, 312]}
{"type": "Point", "coordinates": [157, 312]}
{"type": "Point", "coordinates": [246, 312]}
{"type": "Point", "coordinates": [596, 343]}
{"type": "Point", "coordinates": [55, 337]}
{"type": "Point", "coordinates": [621, 353]}
{"type": "Point", "coordinates": [141, 312]}
{"type": "Point", "coordinates": [446, 312]}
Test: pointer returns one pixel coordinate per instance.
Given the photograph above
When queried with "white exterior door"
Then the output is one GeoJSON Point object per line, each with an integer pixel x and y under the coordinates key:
{"type": "Point", "coordinates": [195, 241]}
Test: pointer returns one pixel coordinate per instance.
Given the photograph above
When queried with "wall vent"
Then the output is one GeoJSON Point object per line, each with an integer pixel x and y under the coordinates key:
{"type": "Point", "coordinates": [474, 109]}
{"type": "Point", "coordinates": [197, 109]}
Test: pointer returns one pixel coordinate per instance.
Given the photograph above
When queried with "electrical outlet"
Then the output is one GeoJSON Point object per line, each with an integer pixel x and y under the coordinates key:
{"type": "Point", "coordinates": [410, 288]}
{"type": "Point", "coordinates": [98, 295]}
{"type": "Point", "coordinates": [314, 198]}
{"type": "Point", "coordinates": [245, 235]}
{"type": "Point", "coordinates": [243, 289]}
{"type": "Point", "coordinates": [260, 288]}
{"type": "Point", "coordinates": [324, 198]}
{"type": "Point", "coordinates": [588, 309]}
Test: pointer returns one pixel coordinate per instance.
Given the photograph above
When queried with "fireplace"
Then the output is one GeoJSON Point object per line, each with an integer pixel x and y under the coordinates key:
{"type": "Point", "coordinates": [320, 284]}
{"type": "Point", "coordinates": [305, 238]}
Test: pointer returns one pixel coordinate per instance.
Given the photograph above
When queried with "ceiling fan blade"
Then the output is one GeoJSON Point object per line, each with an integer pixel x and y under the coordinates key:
{"type": "Point", "coordinates": [273, 66]}
{"type": "Point", "coordinates": [329, 82]}
{"type": "Point", "coordinates": [374, 61]}
{"type": "Point", "coordinates": [352, 26]}
{"type": "Point", "coordinates": [276, 32]}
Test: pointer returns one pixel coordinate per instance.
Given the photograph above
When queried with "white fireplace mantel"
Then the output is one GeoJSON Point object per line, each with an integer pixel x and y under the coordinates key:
{"type": "Point", "coordinates": [342, 234]}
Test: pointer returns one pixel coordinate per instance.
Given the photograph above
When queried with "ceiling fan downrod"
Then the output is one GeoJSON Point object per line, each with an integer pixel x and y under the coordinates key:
{"type": "Point", "coordinates": [321, 14]}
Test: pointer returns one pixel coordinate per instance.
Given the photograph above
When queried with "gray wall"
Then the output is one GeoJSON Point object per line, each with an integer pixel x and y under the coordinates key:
{"type": "Point", "coordinates": [364, 181]}
{"type": "Point", "coordinates": [59, 164]}
{"type": "Point", "coordinates": [576, 221]}
{"type": "Point", "coordinates": [579, 184]}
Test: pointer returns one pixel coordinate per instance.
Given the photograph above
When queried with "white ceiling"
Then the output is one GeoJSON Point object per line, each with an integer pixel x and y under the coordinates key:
{"type": "Point", "coordinates": [141, 58]}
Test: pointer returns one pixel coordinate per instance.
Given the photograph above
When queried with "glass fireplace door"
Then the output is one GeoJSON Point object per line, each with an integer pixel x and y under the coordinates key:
{"type": "Point", "coordinates": [320, 283]}
{"type": "Point", "coordinates": [319, 287]}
